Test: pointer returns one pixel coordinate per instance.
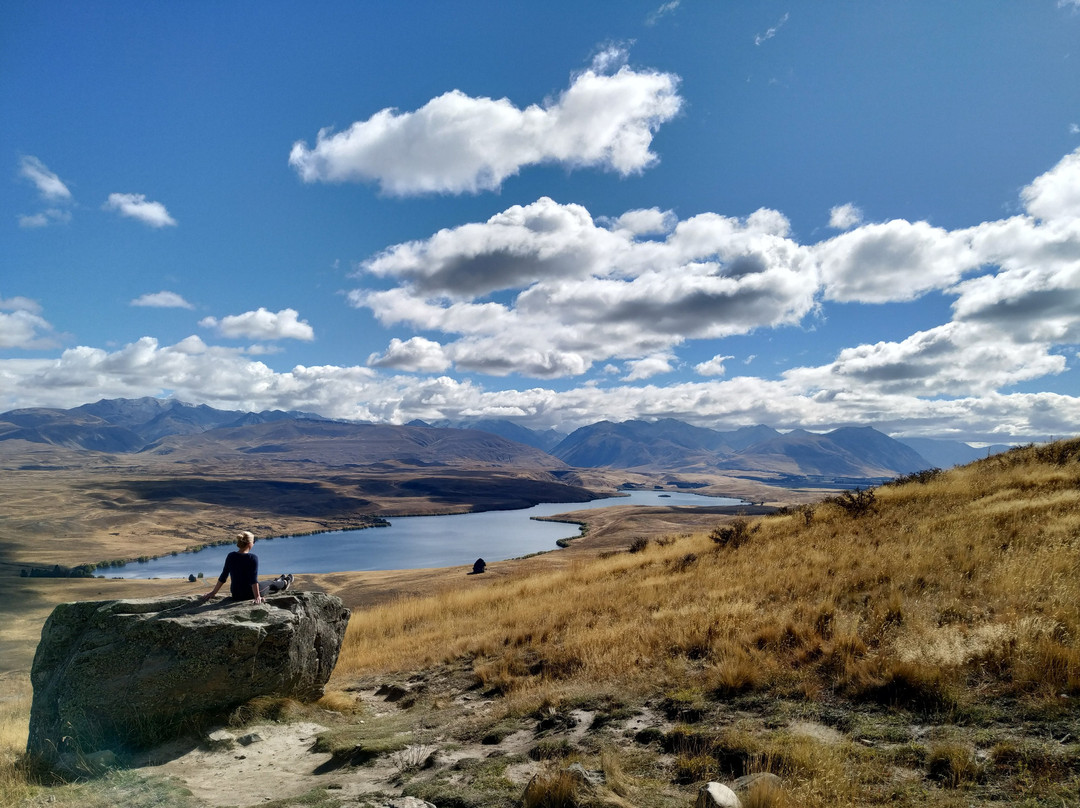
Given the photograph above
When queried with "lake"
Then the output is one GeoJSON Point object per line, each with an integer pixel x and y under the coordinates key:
{"type": "Point", "coordinates": [410, 542]}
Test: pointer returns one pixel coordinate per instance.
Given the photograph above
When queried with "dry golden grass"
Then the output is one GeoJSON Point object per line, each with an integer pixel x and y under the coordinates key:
{"type": "Point", "coordinates": [950, 593]}
{"type": "Point", "coordinates": [14, 723]}
{"type": "Point", "coordinates": [974, 574]}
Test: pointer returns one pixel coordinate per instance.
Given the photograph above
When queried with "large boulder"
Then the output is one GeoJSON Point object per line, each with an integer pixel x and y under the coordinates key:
{"type": "Point", "coordinates": [128, 674]}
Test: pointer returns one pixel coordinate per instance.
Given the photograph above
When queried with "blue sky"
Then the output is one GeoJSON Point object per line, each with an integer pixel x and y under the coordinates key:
{"type": "Point", "coordinates": [726, 212]}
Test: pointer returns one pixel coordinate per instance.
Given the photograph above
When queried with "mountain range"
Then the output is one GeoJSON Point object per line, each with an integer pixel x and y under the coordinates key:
{"type": "Point", "coordinates": [170, 427]}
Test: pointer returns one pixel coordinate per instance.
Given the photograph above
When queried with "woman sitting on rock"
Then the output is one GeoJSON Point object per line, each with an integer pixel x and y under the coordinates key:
{"type": "Point", "coordinates": [242, 567]}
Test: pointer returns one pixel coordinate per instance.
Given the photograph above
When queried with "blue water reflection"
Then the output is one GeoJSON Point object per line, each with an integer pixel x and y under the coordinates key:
{"type": "Point", "coordinates": [410, 542]}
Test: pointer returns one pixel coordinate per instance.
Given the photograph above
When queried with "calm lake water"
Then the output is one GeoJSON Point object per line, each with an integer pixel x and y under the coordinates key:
{"type": "Point", "coordinates": [410, 542]}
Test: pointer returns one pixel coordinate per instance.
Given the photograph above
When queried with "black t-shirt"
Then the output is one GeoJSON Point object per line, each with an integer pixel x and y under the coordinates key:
{"type": "Point", "coordinates": [243, 570]}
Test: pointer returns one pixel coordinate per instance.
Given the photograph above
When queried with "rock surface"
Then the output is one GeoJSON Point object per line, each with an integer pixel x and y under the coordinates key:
{"type": "Point", "coordinates": [717, 795]}
{"type": "Point", "coordinates": [126, 674]}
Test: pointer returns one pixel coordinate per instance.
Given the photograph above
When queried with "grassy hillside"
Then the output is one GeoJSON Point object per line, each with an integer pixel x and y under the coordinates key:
{"type": "Point", "coordinates": [914, 645]}
{"type": "Point", "coordinates": [934, 624]}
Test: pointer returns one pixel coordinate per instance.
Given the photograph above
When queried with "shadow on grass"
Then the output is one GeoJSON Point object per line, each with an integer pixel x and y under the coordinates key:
{"type": "Point", "coordinates": [280, 497]}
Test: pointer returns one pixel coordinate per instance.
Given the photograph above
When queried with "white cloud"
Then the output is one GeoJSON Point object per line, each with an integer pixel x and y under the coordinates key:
{"type": "Point", "coordinates": [713, 367]}
{"type": "Point", "coordinates": [261, 325]}
{"type": "Point", "coordinates": [136, 206]}
{"type": "Point", "coordinates": [582, 293]}
{"type": "Point", "coordinates": [162, 300]}
{"type": "Point", "coordinates": [1056, 194]}
{"type": "Point", "coordinates": [459, 144]}
{"type": "Point", "coordinates": [415, 354]}
{"type": "Point", "coordinates": [954, 359]}
{"type": "Point", "coordinates": [547, 291]}
{"type": "Point", "coordinates": [22, 326]}
{"type": "Point", "coordinates": [48, 184]}
{"type": "Point", "coordinates": [224, 378]}
{"type": "Point", "coordinates": [665, 9]}
{"type": "Point", "coordinates": [648, 367]}
{"type": "Point", "coordinates": [45, 218]}
{"type": "Point", "coordinates": [897, 260]}
{"type": "Point", "coordinates": [770, 33]}
{"type": "Point", "coordinates": [50, 188]}
{"type": "Point", "coordinates": [611, 57]}
{"type": "Point", "coordinates": [845, 217]}
{"type": "Point", "coordinates": [544, 290]}
{"type": "Point", "coordinates": [646, 222]}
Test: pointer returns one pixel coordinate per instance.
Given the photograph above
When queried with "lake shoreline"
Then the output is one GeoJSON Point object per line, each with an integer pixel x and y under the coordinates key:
{"type": "Point", "coordinates": [422, 541]}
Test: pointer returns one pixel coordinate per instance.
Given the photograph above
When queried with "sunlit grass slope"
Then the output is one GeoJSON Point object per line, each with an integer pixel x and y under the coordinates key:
{"type": "Point", "coordinates": [939, 592]}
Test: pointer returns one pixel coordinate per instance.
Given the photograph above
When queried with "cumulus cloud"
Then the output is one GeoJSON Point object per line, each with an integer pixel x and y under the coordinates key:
{"type": "Point", "coordinates": [415, 354]}
{"type": "Point", "coordinates": [648, 367]}
{"type": "Point", "coordinates": [195, 371]}
{"type": "Point", "coordinates": [456, 143]}
{"type": "Point", "coordinates": [713, 367]}
{"type": "Point", "coordinates": [49, 186]}
{"type": "Point", "coordinates": [952, 359]}
{"type": "Point", "coordinates": [845, 217]}
{"type": "Point", "coordinates": [22, 326]}
{"type": "Point", "coordinates": [581, 293]}
{"type": "Point", "coordinates": [548, 291]}
{"type": "Point", "coordinates": [897, 260]}
{"type": "Point", "coordinates": [162, 300]}
{"type": "Point", "coordinates": [261, 325]}
{"type": "Point", "coordinates": [136, 206]}
{"type": "Point", "coordinates": [1056, 194]}
{"type": "Point", "coordinates": [646, 222]}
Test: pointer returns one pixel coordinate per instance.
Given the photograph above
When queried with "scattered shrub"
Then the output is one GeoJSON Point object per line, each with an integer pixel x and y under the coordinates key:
{"type": "Point", "coordinates": [734, 535]}
{"type": "Point", "coordinates": [638, 544]}
{"type": "Point", "coordinates": [922, 477]}
{"type": "Point", "coordinates": [685, 562]}
{"type": "Point", "coordinates": [859, 502]}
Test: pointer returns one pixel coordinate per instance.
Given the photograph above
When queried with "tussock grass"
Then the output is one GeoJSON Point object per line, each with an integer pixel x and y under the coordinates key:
{"type": "Point", "coordinates": [969, 579]}
{"type": "Point", "coordinates": [14, 724]}
{"type": "Point", "coordinates": [955, 592]}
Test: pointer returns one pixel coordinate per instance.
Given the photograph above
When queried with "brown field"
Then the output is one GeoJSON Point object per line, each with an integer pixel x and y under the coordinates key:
{"type": "Point", "coordinates": [914, 646]}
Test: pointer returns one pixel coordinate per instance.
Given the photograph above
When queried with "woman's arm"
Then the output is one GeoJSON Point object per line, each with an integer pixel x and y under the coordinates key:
{"type": "Point", "coordinates": [212, 592]}
{"type": "Point", "coordinates": [220, 581]}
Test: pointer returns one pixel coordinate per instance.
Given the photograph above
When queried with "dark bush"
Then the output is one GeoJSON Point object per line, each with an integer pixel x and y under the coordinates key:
{"type": "Point", "coordinates": [921, 477]}
{"type": "Point", "coordinates": [734, 535]}
{"type": "Point", "coordinates": [856, 503]}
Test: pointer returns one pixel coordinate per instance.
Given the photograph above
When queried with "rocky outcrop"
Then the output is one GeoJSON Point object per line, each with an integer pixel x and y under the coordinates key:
{"type": "Point", "coordinates": [127, 674]}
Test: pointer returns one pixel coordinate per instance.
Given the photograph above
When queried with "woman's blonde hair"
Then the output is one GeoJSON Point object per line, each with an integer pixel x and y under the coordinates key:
{"type": "Point", "coordinates": [245, 538]}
